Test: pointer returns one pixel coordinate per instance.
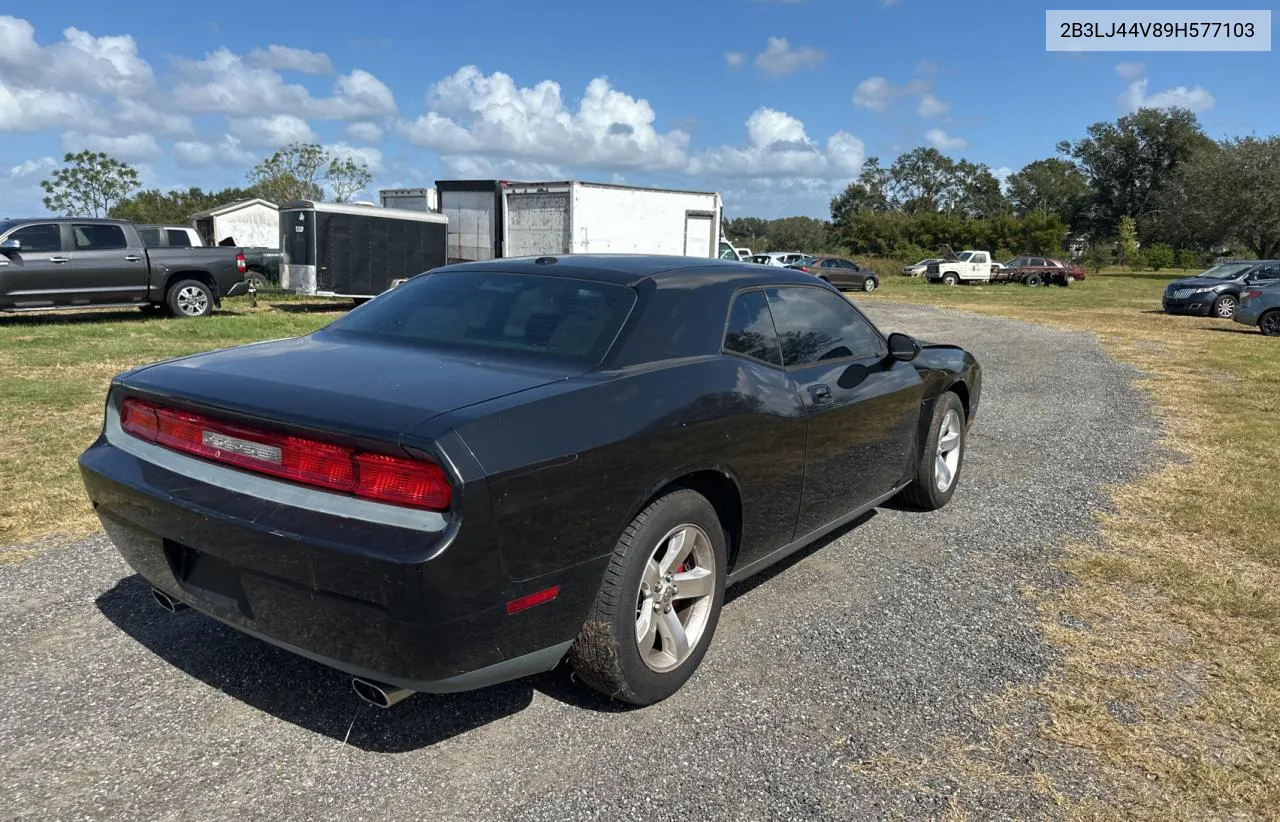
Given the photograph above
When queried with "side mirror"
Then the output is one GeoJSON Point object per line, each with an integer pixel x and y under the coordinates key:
{"type": "Point", "coordinates": [903, 347]}
{"type": "Point", "coordinates": [11, 245]}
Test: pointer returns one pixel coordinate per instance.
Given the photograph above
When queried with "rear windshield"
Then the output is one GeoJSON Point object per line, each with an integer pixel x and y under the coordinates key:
{"type": "Point", "coordinates": [550, 318]}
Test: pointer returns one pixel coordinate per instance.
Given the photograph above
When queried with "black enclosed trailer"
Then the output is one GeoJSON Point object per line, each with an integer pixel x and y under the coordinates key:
{"type": "Point", "coordinates": [340, 250]}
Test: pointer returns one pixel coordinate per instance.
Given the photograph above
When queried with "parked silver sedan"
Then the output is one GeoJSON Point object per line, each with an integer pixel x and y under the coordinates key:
{"type": "Point", "coordinates": [1260, 306]}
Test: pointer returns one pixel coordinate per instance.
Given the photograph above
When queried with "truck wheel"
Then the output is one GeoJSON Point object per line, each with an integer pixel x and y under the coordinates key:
{"type": "Point", "coordinates": [659, 603]}
{"type": "Point", "coordinates": [1033, 280]}
{"type": "Point", "coordinates": [189, 298]}
{"type": "Point", "coordinates": [950, 279]}
{"type": "Point", "coordinates": [938, 469]}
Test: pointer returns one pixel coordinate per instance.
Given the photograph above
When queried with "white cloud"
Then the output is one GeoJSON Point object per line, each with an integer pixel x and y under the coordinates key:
{"type": "Point", "coordinates": [227, 151]}
{"type": "Point", "coordinates": [931, 106]}
{"type": "Point", "coordinates": [939, 139]}
{"type": "Point", "coordinates": [777, 146]}
{"type": "Point", "coordinates": [79, 64]}
{"type": "Point", "coordinates": [779, 59]}
{"type": "Point", "coordinates": [227, 83]}
{"type": "Point", "coordinates": [271, 132]}
{"type": "Point", "coordinates": [474, 114]}
{"type": "Point", "coordinates": [1130, 71]}
{"type": "Point", "coordinates": [1003, 173]}
{"type": "Point", "coordinates": [878, 93]}
{"type": "Point", "coordinates": [492, 168]}
{"type": "Point", "coordinates": [366, 132]}
{"type": "Point", "coordinates": [24, 109]}
{"type": "Point", "coordinates": [368, 155]}
{"type": "Point", "coordinates": [30, 168]}
{"type": "Point", "coordinates": [1134, 97]}
{"type": "Point", "coordinates": [130, 148]}
{"type": "Point", "coordinates": [136, 115]}
{"type": "Point", "coordinates": [285, 58]}
{"type": "Point", "coordinates": [734, 59]}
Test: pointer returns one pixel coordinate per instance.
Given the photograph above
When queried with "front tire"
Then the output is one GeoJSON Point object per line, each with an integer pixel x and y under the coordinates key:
{"type": "Point", "coordinates": [189, 298]}
{"type": "Point", "coordinates": [950, 279]}
{"type": "Point", "coordinates": [659, 603]}
{"type": "Point", "coordinates": [938, 470]}
{"type": "Point", "coordinates": [1225, 307]}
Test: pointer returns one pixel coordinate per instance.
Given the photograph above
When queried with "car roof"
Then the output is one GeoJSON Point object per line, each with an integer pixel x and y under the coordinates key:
{"type": "Point", "coordinates": [632, 269]}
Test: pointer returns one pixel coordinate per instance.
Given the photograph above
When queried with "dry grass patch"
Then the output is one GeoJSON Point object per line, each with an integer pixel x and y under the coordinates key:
{"type": "Point", "coordinates": [1170, 679]}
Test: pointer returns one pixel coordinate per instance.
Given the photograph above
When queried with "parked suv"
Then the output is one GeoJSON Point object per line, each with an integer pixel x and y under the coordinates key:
{"type": "Point", "coordinates": [48, 263]}
{"type": "Point", "coordinates": [1216, 292]}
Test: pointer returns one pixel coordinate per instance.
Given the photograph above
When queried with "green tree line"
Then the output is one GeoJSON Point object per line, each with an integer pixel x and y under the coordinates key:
{"type": "Point", "coordinates": [94, 184]}
{"type": "Point", "coordinates": [1149, 189]}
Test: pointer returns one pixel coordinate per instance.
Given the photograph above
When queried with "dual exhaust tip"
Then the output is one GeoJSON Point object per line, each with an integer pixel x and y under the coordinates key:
{"type": "Point", "coordinates": [375, 693]}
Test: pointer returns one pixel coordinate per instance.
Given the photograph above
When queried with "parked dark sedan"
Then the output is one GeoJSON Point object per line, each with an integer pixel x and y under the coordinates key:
{"type": "Point", "coordinates": [843, 274]}
{"type": "Point", "coordinates": [499, 464]}
{"type": "Point", "coordinates": [1216, 292]}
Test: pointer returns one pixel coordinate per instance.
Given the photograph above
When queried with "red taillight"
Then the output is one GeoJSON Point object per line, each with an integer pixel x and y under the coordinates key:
{"type": "Point", "coordinates": [1249, 295]}
{"type": "Point", "coordinates": [241, 265]}
{"type": "Point", "coordinates": [379, 477]}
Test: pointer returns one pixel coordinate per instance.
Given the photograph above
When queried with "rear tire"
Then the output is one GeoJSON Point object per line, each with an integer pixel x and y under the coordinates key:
{"type": "Point", "coordinates": [1033, 280]}
{"type": "Point", "coordinates": [941, 459]}
{"type": "Point", "coordinates": [643, 637]}
{"type": "Point", "coordinates": [189, 298]}
{"type": "Point", "coordinates": [870, 284]}
{"type": "Point", "coordinates": [1269, 323]}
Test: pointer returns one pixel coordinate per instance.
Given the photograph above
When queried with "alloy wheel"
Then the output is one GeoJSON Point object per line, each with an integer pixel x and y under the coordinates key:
{"type": "Point", "coordinates": [192, 301]}
{"type": "Point", "coordinates": [947, 461]}
{"type": "Point", "coordinates": [1225, 307]}
{"type": "Point", "coordinates": [1270, 324]}
{"type": "Point", "coordinates": [676, 593]}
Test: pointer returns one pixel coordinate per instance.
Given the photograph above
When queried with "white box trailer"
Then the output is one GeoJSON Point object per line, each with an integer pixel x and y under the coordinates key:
{"type": "Point", "coordinates": [248, 223]}
{"type": "Point", "coordinates": [497, 218]}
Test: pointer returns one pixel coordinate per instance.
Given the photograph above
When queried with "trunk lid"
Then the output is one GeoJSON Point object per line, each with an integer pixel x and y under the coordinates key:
{"type": "Point", "coordinates": [327, 383]}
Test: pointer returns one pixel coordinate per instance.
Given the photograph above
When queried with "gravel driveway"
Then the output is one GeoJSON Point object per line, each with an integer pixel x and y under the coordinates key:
{"type": "Point", "coordinates": [876, 647]}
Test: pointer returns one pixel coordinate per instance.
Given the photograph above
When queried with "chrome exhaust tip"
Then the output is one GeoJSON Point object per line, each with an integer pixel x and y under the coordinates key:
{"type": "Point", "coordinates": [167, 602]}
{"type": "Point", "coordinates": [375, 693]}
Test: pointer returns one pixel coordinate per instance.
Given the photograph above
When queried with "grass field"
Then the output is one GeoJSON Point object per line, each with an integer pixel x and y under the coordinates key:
{"type": "Point", "coordinates": [1181, 603]}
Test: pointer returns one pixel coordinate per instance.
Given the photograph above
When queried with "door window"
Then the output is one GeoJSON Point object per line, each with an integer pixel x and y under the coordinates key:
{"type": "Point", "coordinates": [98, 237]}
{"type": "Point", "coordinates": [44, 238]}
{"type": "Point", "coordinates": [814, 324]}
{"type": "Point", "coordinates": [750, 331]}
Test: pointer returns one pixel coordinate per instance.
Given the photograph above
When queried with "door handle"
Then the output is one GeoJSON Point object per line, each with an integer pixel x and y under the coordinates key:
{"type": "Point", "coordinates": [132, 258]}
{"type": "Point", "coordinates": [821, 394]}
{"type": "Point", "coordinates": [59, 259]}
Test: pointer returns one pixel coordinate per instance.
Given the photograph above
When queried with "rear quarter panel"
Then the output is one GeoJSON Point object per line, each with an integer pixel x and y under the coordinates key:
{"type": "Point", "coordinates": [569, 467]}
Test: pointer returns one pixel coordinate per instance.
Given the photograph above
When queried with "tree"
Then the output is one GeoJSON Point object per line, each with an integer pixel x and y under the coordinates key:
{"type": "Point", "coordinates": [748, 231]}
{"type": "Point", "coordinates": [1127, 232]}
{"type": "Point", "coordinates": [89, 186]}
{"type": "Point", "coordinates": [291, 173]}
{"type": "Point", "coordinates": [176, 206]}
{"type": "Point", "coordinates": [923, 180]}
{"type": "Point", "coordinates": [1228, 192]}
{"type": "Point", "coordinates": [868, 193]}
{"type": "Point", "coordinates": [1159, 255]}
{"type": "Point", "coordinates": [1052, 186]}
{"type": "Point", "coordinates": [798, 233]}
{"type": "Point", "coordinates": [977, 191]}
{"type": "Point", "coordinates": [346, 177]}
{"type": "Point", "coordinates": [1128, 162]}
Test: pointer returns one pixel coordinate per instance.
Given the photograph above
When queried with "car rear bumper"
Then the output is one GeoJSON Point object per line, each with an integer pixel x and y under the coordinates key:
{"type": "Point", "coordinates": [415, 604]}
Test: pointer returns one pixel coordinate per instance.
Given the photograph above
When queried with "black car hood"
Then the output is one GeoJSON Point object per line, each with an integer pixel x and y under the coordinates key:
{"type": "Point", "coordinates": [329, 382]}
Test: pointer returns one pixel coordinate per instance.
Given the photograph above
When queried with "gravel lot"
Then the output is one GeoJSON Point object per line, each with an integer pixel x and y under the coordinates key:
{"type": "Point", "coordinates": [838, 685]}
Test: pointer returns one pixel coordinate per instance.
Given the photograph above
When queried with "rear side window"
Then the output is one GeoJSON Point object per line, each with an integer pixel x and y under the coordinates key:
{"type": "Point", "coordinates": [551, 318]}
{"type": "Point", "coordinates": [98, 237]}
{"type": "Point", "coordinates": [178, 239]}
{"type": "Point", "coordinates": [38, 239]}
{"type": "Point", "coordinates": [150, 237]}
{"type": "Point", "coordinates": [814, 325]}
{"type": "Point", "coordinates": [750, 331]}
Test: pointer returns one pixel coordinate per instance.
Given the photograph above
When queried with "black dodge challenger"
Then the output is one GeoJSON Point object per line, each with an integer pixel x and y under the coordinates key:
{"type": "Point", "coordinates": [499, 464]}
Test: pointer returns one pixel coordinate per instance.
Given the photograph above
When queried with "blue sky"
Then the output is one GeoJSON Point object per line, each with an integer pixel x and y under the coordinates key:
{"type": "Point", "coordinates": [775, 104]}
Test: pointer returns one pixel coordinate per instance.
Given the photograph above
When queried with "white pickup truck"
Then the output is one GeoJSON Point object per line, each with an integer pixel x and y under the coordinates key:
{"type": "Point", "coordinates": [965, 267]}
